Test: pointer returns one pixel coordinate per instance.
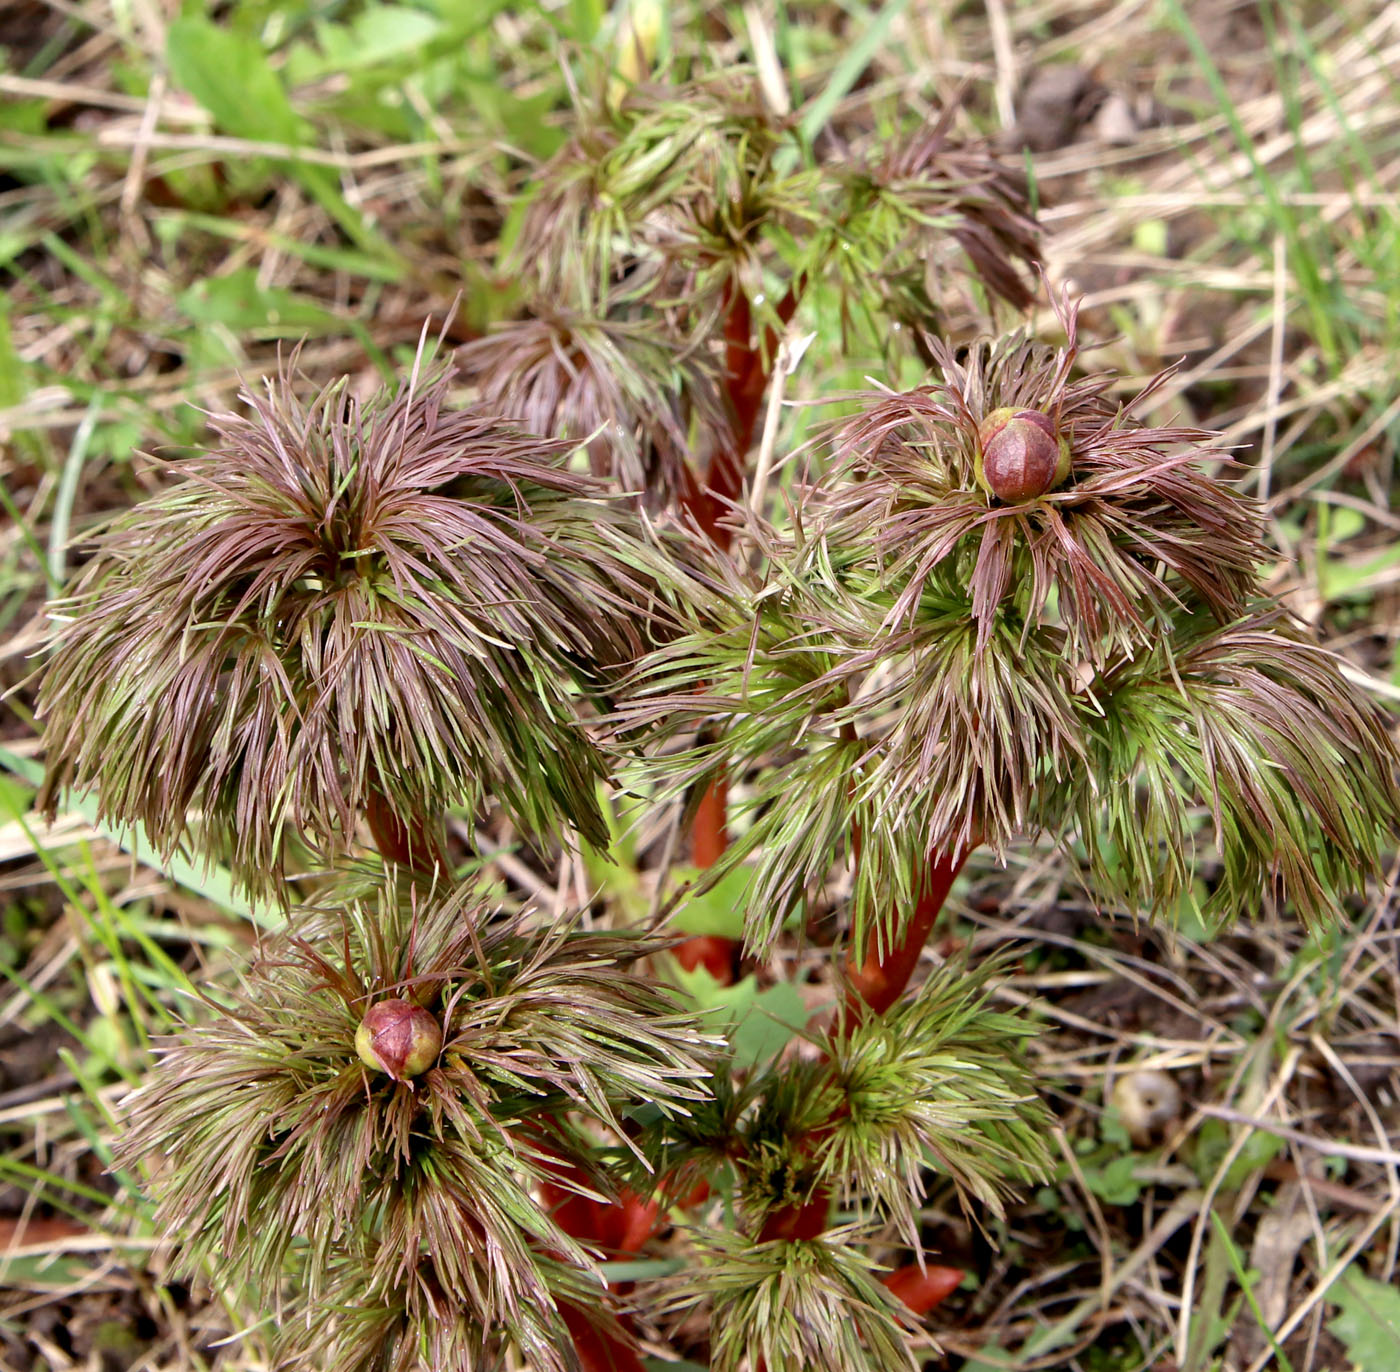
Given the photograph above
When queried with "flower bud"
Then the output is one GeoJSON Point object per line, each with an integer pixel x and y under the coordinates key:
{"type": "Point", "coordinates": [1019, 455]}
{"type": "Point", "coordinates": [399, 1038]}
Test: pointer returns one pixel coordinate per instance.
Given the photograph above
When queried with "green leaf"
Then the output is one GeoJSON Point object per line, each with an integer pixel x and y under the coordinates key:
{"type": "Point", "coordinates": [230, 76]}
{"type": "Point", "coordinates": [1150, 237]}
{"type": "Point", "coordinates": [16, 797]}
{"type": "Point", "coordinates": [238, 301]}
{"type": "Point", "coordinates": [643, 1269]}
{"type": "Point", "coordinates": [1212, 1143]}
{"type": "Point", "coordinates": [1003, 1360]}
{"type": "Point", "coordinates": [846, 73]}
{"type": "Point", "coordinates": [719, 910]}
{"type": "Point", "coordinates": [758, 1023]}
{"type": "Point", "coordinates": [380, 33]}
{"type": "Point", "coordinates": [1369, 1324]}
{"type": "Point", "coordinates": [1115, 1183]}
{"type": "Point", "coordinates": [776, 1015]}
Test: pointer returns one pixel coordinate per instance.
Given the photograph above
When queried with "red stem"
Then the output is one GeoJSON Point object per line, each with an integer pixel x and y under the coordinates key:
{"type": "Point", "coordinates": [746, 380]}
{"type": "Point", "coordinates": [598, 1348]}
{"type": "Point", "coordinates": [709, 834]}
{"type": "Point", "coordinates": [626, 1226]}
{"type": "Point", "coordinates": [880, 978]}
{"type": "Point", "coordinates": [618, 1229]}
{"type": "Point", "coordinates": [806, 1221]}
{"type": "Point", "coordinates": [407, 843]}
{"type": "Point", "coordinates": [921, 1288]}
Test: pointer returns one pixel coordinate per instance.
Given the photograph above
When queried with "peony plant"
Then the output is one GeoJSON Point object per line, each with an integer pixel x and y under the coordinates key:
{"type": "Point", "coordinates": [992, 609]}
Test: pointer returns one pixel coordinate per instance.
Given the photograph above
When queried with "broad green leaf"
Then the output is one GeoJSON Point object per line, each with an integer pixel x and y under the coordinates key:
{"type": "Point", "coordinates": [230, 76]}
{"type": "Point", "coordinates": [16, 797]}
{"type": "Point", "coordinates": [1212, 1143]}
{"type": "Point", "coordinates": [758, 1023]}
{"type": "Point", "coordinates": [720, 910]}
{"type": "Point", "coordinates": [381, 33]}
{"type": "Point", "coordinates": [1115, 1183]}
{"type": "Point", "coordinates": [238, 301]}
{"type": "Point", "coordinates": [1369, 1324]}
{"type": "Point", "coordinates": [775, 1016]}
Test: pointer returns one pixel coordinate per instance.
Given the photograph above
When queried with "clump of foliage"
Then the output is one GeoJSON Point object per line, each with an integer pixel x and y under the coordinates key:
{"type": "Point", "coordinates": [664, 249]}
{"type": "Point", "coordinates": [994, 609]}
{"type": "Point", "coordinates": [932, 667]}
{"type": "Point", "coordinates": [345, 609]}
{"type": "Point", "coordinates": [285, 1149]}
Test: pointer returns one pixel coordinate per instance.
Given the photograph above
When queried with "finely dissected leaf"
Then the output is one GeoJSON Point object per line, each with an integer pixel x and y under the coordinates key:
{"type": "Point", "coordinates": [1139, 524]}
{"type": "Point", "coordinates": [935, 1081]}
{"type": "Point", "coordinates": [668, 175]}
{"type": "Point", "coordinates": [342, 605]}
{"type": "Point", "coordinates": [1256, 726]}
{"type": "Point", "coordinates": [280, 1144]}
{"type": "Point", "coordinates": [693, 198]}
{"type": "Point", "coordinates": [892, 209]}
{"type": "Point", "coordinates": [628, 387]}
{"type": "Point", "coordinates": [797, 1304]}
{"type": "Point", "coordinates": [920, 668]}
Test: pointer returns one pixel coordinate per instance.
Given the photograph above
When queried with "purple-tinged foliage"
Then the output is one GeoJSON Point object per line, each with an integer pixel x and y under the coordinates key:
{"type": "Point", "coordinates": [625, 387]}
{"type": "Point", "coordinates": [894, 207]}
{"type": "Point", "coordinates": [278, 1143]}
{"type": "Point", "coordinates": [341, 605]}
{"type": "Point", "coordinates": [1140, 526]}
{"type": "Point", "coordinates": [923, 668]}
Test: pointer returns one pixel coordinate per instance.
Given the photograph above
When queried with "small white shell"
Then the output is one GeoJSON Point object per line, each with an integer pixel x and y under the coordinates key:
{"type": "Point", "coordinates": [1147, 1101]}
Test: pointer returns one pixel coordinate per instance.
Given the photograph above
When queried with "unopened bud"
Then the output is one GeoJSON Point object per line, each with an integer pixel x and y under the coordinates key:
{"type": "Point", "coordinates": [399, 1038]}
{"type": "Point", "coordinates": [1019, 455]}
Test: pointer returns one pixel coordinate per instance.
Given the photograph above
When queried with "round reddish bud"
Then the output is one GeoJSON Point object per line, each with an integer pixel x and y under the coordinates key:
{"type": "Point", "coordinates": [399, 1038]}
{"type": "Point", "coordinates": [1019, 455]}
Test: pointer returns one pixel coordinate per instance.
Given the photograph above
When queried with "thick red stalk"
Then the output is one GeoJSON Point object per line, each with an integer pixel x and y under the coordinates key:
{"type": "Point", "coordinates": [747, 363]}
{"type": "Point", "coordinates": [806, 1221]}
{"type": "Point", "coordinates": [624, 1226]}
{"type": "Point", "coordinates": [880, 978]}
{"type": "Point", "coordinates": [709, 837]}
{"type": "Point", "coordinates": [407, 844]}
{"type": "Point", "coordinates": [618, 1229]}
{"type": "Point", "coordinates": [598, 1349]}
{"type": "Point", "coordinates": [921, 1288]}
{"type": "Point", "coordinates": [746, 381]}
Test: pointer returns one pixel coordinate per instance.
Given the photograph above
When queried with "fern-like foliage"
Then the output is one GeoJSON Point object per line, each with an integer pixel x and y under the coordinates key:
{"type": "Point", "coordinates": [665, 247]}
{"type": "Point", "coordinates": [281, 1150]}
{"type": "Point", "coordinates": [919, 668]}
{"type": "Point", "coordinates": [1250, 723]}
{"type": "Point", "coordinates": [621, 384]}
{"type": "Point", "coordinates": [341, 605]}
{"type": "Point", "coordinates": [937, 1081]}
{"type": "Point", "coordinates": [796, 1304]}
{"type": "Point", "coordinates": [935, 1090]}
